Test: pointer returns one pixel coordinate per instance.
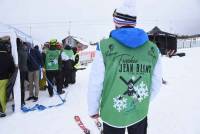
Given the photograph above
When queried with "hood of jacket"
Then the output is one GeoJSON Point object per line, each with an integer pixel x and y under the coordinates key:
{"type": "Point", "coordinates": [130, 37]}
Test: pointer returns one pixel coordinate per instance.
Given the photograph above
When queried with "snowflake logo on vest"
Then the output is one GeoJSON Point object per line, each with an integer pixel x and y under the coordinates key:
{"type": "Point", "coordinates": [137, 92]}
{"type": "Point", "coordinates": [142, 91]}
{"type": "Point", "coordinates": [120, 104]}
{"type": "Point", "coordinates": [53, 62]}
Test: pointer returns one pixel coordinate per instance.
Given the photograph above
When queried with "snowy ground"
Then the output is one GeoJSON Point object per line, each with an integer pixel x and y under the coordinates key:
{"type": "Point", "coordinates": [175, 110]}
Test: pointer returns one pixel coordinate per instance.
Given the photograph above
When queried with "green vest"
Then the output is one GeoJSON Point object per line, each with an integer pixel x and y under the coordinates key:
{"type": "Point", "coordinates": [69, 53]}
{"type": "Point", "coordinates": [127, 82]}
{"type": "Point", "coordinates": [51, 61]}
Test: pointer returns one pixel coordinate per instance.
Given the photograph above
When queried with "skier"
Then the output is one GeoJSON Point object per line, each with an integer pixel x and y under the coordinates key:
{"type": "Point", "coordinates": [43, 80]}
{"type": "Point", "coordinates": [75, 65]}
{"type": "Point", "coordinates": [53, 68]}
{"type": "Point", "coordinates": [34, 63]}
{"type": "Point", "coordinates": [22, 49]}
{"type": "Point", "coordinates": [126, 59]}
{"type": "Point", "coordinates": [6, 71]}
{"type": "Point", "coordinates": [67, 57]}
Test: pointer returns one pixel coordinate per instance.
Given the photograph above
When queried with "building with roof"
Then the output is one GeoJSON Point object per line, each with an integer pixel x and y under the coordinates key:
{"type": "Point", "coordinates": [75, 42]}
{"type": "Point", "coordinates": [164, 40]}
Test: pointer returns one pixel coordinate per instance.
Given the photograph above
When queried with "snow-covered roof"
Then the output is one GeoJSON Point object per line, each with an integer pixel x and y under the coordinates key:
{"type": "Point", "coordinates": [81, 41]}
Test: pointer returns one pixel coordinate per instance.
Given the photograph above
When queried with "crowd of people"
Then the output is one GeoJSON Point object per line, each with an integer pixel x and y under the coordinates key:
{"type": "Point", "coordinates": [55, 65]}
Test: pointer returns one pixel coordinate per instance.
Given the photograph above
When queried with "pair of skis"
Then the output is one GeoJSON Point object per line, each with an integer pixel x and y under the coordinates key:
{"type": "Point", "coordinates": [99, 125]}
{"type": "Point", "coordinates": [84, 128]}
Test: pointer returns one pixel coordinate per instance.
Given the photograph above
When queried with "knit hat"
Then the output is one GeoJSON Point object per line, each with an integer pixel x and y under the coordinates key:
{"type": "Point", "coordinates": [125, 15]}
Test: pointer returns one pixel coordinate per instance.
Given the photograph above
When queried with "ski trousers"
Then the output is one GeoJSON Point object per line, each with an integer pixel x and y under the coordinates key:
{"type": "Point", "coordinates": [138, 128]}
{"type": "Point", "coordinates": [33, 78]}
{"type": "Point", "coordinates": [57, 76]}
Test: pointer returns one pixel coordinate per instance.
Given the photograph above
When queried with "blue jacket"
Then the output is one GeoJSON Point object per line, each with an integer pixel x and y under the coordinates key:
{"type": "Point", "coordinates": [34, 60]}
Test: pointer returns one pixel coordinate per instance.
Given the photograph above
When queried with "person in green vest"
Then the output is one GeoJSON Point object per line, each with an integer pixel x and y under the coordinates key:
{"type": "Point", "coordinates": [67, 57]}
{"type": "Point", "coordinates": [76, 65]}
{"type": "Point", "coordinates": [53, 68]}
{"type": "Point", "coordinates": [125, 75]}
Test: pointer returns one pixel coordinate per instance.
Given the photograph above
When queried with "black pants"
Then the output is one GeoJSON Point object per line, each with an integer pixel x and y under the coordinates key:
{"type": "Point", "coordinates": [66, 77]}
{"type": "Point", "coordinates": [68, 72]}
{"type": "Point", "coordinates": [138, 128]}
{"type": "Point", "coordinates": [51, 75]}
{"type": "Point", "coordinates": [23, 77]}
{"type": "Point", "coordinates": [73, 77]}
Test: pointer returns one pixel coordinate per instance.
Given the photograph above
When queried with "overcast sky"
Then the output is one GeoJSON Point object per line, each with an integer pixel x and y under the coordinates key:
{"type": "Point", "coordinates": [92, 19]}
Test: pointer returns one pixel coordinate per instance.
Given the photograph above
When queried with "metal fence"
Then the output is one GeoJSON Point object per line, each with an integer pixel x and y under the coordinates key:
{"type": "Point", "coordinates": [188, 43]}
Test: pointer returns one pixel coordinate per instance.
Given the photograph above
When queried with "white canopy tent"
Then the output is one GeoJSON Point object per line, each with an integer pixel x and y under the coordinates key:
{"type": "Point", "coordinates": [13, 34]}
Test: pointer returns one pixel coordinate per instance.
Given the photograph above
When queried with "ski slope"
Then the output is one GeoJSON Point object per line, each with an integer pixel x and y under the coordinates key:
{"type": "Point", "coordinates": [175, 110]}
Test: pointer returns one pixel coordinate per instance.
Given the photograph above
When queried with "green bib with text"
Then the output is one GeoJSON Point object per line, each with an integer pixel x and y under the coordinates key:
{"type": "Point", "coordinates": [127, 82]}
{"type": "Point", "coordinates": [52, 57]}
